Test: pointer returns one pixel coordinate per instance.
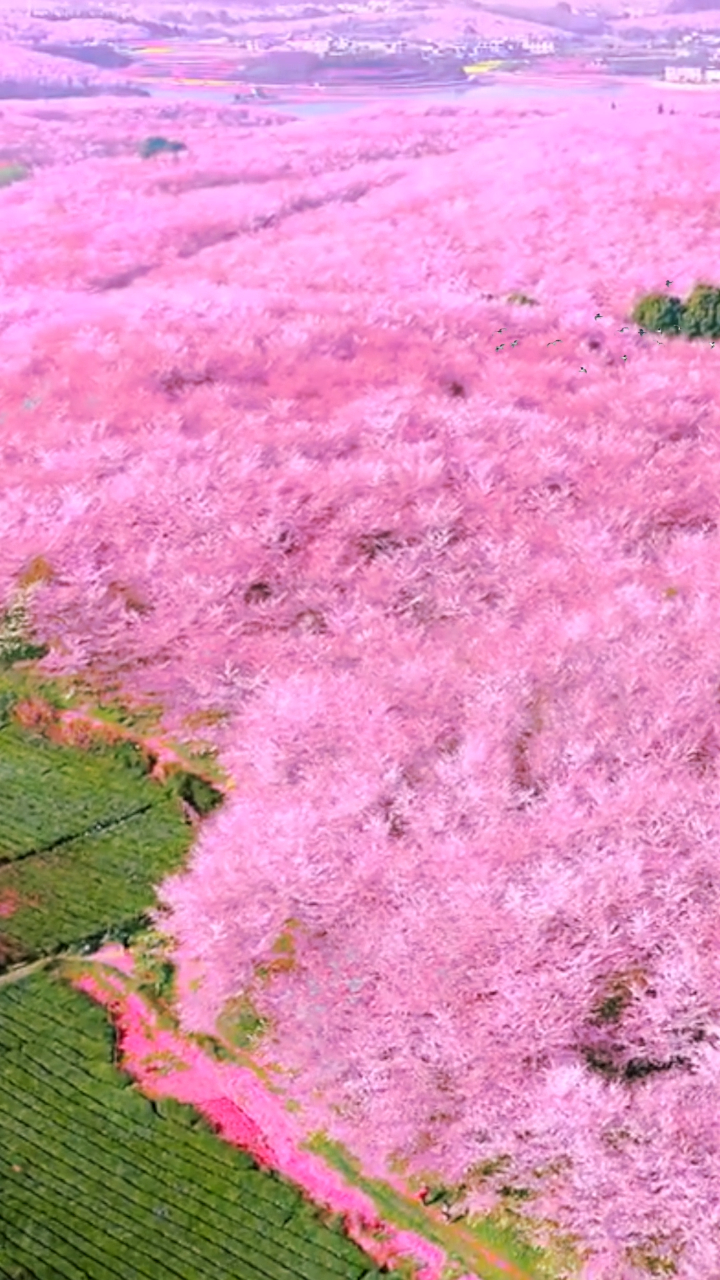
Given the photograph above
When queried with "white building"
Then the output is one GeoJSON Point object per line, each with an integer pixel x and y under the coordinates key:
{"type": "Point", "coordinates": [537, 44]}
{"type": "Point", "coordinates": [314, 45]}
{"type": "Point", "coordinates": [372, 46]}
{"type": "Point", "coordinates": [712, 74]}
{"type": "Point", "coordinates": [692, 75]}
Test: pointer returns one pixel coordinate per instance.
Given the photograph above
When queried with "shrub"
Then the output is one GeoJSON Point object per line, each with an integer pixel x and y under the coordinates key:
{"type": "Point", "coordinates": [659, 313]}
{"type": "Point", "coordinates": [701, 312]}
{"type": "Point", "coordinates": [195, 791]}
{"type": "Point", "coordinates": [12, 172]}
{"type": "Point", "coordinates": [152, 146]}
{"type": "Point", "coordinates": [15, 643]}
{"type": "Point", "coordinates": [7, 702]}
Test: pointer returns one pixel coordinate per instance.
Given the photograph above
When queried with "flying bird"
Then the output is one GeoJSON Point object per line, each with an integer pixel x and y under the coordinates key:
{"type": "Point", "coordinates": [623, 329]}
{"type": "Point", "coordinates": [598, 316]}
{"type": "Point", "coordinates": [514, 344]}
{"type": "Point", "coordinates": [502, 344]}
{"type": "Point", "coordinates": [668, 283]}
{"type": "Point", "coordinates": [583, 369]}
{"type": "Point", "coordinates": [552, 344]}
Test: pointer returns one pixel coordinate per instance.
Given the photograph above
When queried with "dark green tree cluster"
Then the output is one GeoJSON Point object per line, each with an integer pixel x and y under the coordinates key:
{"type": "Point", "coordinates": [697, 317]}
{"type": "Point", "coordinates": [15, 642]}
{"type": "Point", "coordinates": [701, 312]}
{"type": "Point", "coordinates": [153, 146]}
{"type": "Point", "coordinates": [12, 172]}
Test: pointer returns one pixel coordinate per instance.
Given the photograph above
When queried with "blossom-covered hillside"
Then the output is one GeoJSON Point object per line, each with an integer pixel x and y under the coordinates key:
{"type": "Point", "coordinates": [345, 437]}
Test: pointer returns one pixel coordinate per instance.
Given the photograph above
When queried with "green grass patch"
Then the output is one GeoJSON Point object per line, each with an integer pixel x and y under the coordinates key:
{"type": "Point", "coordinates": [195, 791]}
{"type": "Point", "coordinates": [86, 834]}
{"type": "Point", "coordinates": [113, 710]}
{"type": "Point", "coordinates": [503, 1231]}
{"type": "Point", "coordinates": [97, 1181]}
{"type": "Point", "coordinates": [537, 1245]}
{"type": "Point", "coordinates": [239, 1024]}
{"type": "Point", "coordinates": [153, 970]}
{"type": "Point", "coordinates": [16, 645]}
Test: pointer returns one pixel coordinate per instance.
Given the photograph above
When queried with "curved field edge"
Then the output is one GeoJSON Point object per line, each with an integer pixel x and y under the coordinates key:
{"type": "Point", "coordinates": [98, 1182]}
{"type": "Point", "coordinates": [393, 1226]}
{"type": "Point", "coordinates": [94, 817]}
{"type": "Point", "coordinates": [248, 1108]}
{"type": "Point", "coordinates": [34, 711]}
{"type": "Point", "coordinates": [84, 706]}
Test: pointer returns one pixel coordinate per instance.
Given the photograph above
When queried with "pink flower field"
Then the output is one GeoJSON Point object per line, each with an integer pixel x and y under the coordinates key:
{"type": "Point", "coordinates": [342, 435]}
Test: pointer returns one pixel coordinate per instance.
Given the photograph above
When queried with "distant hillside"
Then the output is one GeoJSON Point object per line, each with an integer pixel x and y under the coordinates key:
{"type": "Point", "coordinates": [98, 55]}
{"type": "Point", "coordinates": [691, 6]}
{"type": "Point", "coordinates": [559, 15]}
{"type": "Point", "coordinates": [32, 73]}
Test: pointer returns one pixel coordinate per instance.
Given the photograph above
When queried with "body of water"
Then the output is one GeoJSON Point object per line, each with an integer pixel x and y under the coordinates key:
{"type": "Point", "coordinates": [494, 89]}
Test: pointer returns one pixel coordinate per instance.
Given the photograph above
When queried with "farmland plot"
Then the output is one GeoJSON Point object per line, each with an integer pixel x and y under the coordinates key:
{"type": "Point", "coordinates": [84, 838]}
{"type": "Point", "coordinates": [98, 1183]}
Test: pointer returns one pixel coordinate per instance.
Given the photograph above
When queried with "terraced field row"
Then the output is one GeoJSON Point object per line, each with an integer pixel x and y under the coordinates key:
{"type": "Point", "coordinates": [98, 1183]}
{"type": "Point", "coordinates": [92, 887]}
{"type": "Point", "coordinates": [50, 795]}
{"type": "Point", "coordinates": [84, 838]}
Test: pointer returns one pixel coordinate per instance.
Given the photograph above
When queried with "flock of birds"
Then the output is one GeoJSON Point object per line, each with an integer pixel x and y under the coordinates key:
{"type": "Point", "coordinates": [660, 108]}
{"type": "Point", "coordinates": [597, 316]}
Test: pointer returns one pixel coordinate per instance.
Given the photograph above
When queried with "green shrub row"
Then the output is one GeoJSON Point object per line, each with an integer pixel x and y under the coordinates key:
{"type": "Point", "coordinates": [53, 794]}
{"type": "Point", "coordinates": [90, 887]}
{"type": "Point", "coordinates": [86, 835]}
